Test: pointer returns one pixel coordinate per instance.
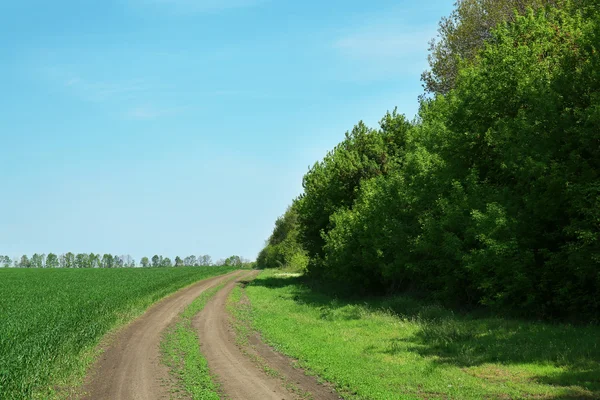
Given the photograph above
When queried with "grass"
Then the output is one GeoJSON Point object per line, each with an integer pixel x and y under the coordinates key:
{"type": "Point", "coordinates": [181, 353]}
{"type": "Point", "coordinates": [241, 313]}
{"type": "Point", "coordinates": [51, 321]}
{"type": "Point", "coordinates": [401, 348]}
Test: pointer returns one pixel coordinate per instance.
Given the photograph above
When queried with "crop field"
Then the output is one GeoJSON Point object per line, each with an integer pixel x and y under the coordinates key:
{"type": "Point", "coordinates": [52, 320]}
{"type": "Point", "coordinates": [401, 348]}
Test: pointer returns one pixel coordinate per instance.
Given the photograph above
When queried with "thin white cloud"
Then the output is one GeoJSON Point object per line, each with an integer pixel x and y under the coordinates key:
{"type": "Point", "coordinates": [381, 51]}
{"type": "Point", "coordinates": [145, 113]}
{"type": "Point", "coordinates": [73, 81]}
{"type": "Point", "coordinates": [200, 6]}
{"type": "Point", "coordinates": [100, 90]}
{"type": "Point", "coordinates": [383, 44]}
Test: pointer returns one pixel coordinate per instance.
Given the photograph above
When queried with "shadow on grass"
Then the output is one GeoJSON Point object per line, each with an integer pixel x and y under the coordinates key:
{"type": "Point", "coordinates": [467, 340]}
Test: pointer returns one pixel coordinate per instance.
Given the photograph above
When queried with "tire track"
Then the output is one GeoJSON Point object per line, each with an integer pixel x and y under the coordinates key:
{"type": "Point", "coordinates": [130, 368]}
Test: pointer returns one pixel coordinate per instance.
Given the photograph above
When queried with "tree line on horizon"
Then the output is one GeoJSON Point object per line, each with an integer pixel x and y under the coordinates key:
{"type": "Point", "coordinates": [92, 260]}
{"type": "Point", "coordinates": [491, 195]}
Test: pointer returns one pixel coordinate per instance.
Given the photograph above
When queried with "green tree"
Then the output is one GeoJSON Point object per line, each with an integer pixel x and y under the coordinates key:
{"type": "Point", "coordinates": [233, 261]}
{"type": "Point", "coordinates": [81, 261]}
{"type": "Point", "coordinates": [332, 184]}
{"type": "Point", "coordinates": [205, 260]}
{"type": "Point", "coordinates": [36, 261]}
{"type": "Point", "coordinates": [190, 261]}
{"type": "Point", "coordinates": [52, 261]}
{"type": "Point", "coordinates": [462, 35]}
{"type": "Point", "coordinates": [24, 262]}
{"type": "Point", "coordinates": [178, 262]}
{"type": "Point", "coordinates": [145, 262]}
{"type": "Point", "coordinates": [68, 260]}
{"type": "Point", "coordinates": [107, 261]}
{"type": "Point", "coordinates": [491, 196]}
{"type": "Point", "coordinates": [93, 260]}
{"type": "Point", "coordinates": [283, 249]}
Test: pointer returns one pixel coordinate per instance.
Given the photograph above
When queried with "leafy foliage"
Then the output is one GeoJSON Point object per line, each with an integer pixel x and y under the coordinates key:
{"type": "Point", "coordinates": [492, 196]}
{"type": "Point", "coordinates": [283, 249]}
{"type": "Point", "coordinates": [463, 34]}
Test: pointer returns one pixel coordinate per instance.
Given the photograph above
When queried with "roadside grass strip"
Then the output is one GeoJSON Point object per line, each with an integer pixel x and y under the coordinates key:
{"type": "Point", "coordinates": [402, 348]}
{"type": "Point", "coordinates": [181, 353]}
{"type": "Point", "coordinates": [52, 320]}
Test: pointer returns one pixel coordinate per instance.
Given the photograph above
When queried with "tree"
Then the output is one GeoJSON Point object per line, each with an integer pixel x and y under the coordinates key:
{"type": "Point", "coordinates": [166, 262]}
{"type": "Point", "coordinates": [491, 197]}
{"type": "Point", "coordinates": [24, 263]}
{"type": "Point", "coordinates": [69, 260]}
{"type": "Point", "coordinates": [178, 262]}
{"type": "Point", "coordinates": [81, 261]}
{"type": "Point", "coordinates": [233, 261]}
{"type": "Point", "coordinates": [93, 260]}
{"type": "Point", "coordinates": [283, 250]}
{"type": "Point", "coordinates": [36, 261]}
{"type": "Point", "coordinates": [5, 261]}
{"type": "Point", "coordinates": [156, 261]}
{"type": "Point", "coordinates": [128, 261]}
{"type": "Point", "coordinates": [462, 35]}
{"type": "Point", "coordinates": [145, 262]}
{"type": "Point", "coordinates": [205, 260]}
{"type": "Point", "coordinates": [107, 261]}
{"type": "Point", "coordinates": [52, 261]}
{"type": "Point", "coordinates": [119, 261]}
{"type": "Point", "coordinates": [332, 184]}
{"type": "Point", "coordinates": [190, 261]}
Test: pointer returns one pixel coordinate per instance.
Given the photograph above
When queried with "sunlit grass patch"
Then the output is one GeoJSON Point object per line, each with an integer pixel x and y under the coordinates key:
{"type": "Point", "coordinates": [397, 348]}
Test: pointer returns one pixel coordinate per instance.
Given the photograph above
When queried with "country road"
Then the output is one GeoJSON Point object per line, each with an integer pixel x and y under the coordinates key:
{"type": "Point", "coordinates": [238, 375]}
{"type": "Point", "coordinates": [130, 367]}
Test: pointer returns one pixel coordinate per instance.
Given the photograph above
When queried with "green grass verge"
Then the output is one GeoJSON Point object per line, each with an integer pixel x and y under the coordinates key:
{"type": "Point", "coordinates": [51, 321]}
{"type": "Point", "coordinates": [242, 315]}
{"type": "Point", "coordinates": [181, 353]}
{"type": "Point", "coordinates": [401, 348]}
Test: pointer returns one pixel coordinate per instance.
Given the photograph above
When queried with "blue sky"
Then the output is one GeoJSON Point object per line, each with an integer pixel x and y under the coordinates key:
{"type": "Point", "coordinates": [184, 127]}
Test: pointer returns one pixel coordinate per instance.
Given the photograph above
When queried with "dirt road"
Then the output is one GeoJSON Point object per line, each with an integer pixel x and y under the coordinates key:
{"type": "Point", "coordinates": [240, 377]}
{"type": "Point", "coordinates": [130, 368]}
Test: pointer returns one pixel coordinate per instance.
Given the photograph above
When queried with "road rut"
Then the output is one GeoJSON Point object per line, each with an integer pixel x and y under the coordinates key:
{"type": "Point", "coordinates": [131, 368]}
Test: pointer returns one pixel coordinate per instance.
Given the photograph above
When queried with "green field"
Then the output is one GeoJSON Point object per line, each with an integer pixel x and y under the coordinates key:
{"type": "Point", "coordinates": [401, 348]}
{"type": "Point", "coordinates": [52, 320]}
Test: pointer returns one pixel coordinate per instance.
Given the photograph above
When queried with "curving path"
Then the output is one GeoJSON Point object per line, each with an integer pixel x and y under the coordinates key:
{"type": "Point", "coordinates": [239, 377]}
{"type": "Point", "coordinates": [130, 368]}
